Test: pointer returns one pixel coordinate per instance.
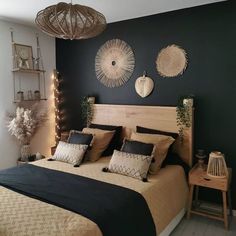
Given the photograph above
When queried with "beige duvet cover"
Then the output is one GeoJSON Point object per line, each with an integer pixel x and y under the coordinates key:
{"type": "Point", "coordinates": [165, 193]}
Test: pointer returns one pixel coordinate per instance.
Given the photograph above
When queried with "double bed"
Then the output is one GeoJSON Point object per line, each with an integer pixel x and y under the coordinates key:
{"type": "Point", "coordinates": [165, 193]}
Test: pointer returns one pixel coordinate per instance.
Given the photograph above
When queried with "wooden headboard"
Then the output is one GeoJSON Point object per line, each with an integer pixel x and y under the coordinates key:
{"type": "Point", "coordinates": [154, 117]}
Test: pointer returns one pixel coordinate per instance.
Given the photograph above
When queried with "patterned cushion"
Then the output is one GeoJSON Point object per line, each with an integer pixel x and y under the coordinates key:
{"type": "Point", "coordinates": [70, 153]}
{"type": "Point", "coordinates": [102, 139]}
{"type": "Point", "coordinates": [129, 164]}
{"type": "Point", "coordinates": [162, 143]}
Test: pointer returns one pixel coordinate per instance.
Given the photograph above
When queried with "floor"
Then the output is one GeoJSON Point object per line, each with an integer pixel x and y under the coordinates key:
{"type": "Point", "coordinates": [201, 226]}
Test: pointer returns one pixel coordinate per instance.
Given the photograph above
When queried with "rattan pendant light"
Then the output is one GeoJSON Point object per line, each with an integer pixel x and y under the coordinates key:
{"type": "Point", "coordinates": [70, 21]}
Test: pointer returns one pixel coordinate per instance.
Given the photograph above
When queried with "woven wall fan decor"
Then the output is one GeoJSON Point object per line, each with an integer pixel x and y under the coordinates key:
{"type": "Point", "coordinates": [114, 63]}
{"type": "Point", "coordinates": [171, 61]}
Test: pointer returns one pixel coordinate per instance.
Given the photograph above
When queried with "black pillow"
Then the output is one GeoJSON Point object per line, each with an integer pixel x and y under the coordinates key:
{"type": "Point", "coordinates": [137, 147]}
{"type": "Point", "coordinates": [174, 159]}
{"type": "Point", "coordinates": [140, 129]}
{"type": "Point", "coordinates": [115, 142]}
{"type": "Point", "coordinates": [77, 137]}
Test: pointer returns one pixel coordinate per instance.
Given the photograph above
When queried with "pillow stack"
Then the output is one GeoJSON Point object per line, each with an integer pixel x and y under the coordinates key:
{"type": "Point", "coordinates": [88, 144]}
{"type": "Point", "coordinates": [144, 153]}
{"type": "Point", "coordinates": [133, 160]}
{"type": "Point", "coordinates": [162, 143]}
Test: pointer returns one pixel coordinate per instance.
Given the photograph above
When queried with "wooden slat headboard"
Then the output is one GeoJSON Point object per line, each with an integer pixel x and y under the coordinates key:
{"type": "Point", "coordinates": [154, 117]}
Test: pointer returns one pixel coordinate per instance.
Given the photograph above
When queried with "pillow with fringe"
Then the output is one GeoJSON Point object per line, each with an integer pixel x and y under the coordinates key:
{"type": "Point", "coordinates": [70, 153]}
{"type": "Point", "coordinates": [129, 164]}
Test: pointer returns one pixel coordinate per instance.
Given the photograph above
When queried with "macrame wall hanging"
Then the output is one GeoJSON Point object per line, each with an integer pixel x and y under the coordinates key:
{"type": "Point", "coordinates": [171, 61]}
{"type": "Point", "coordinates": [114, 63]}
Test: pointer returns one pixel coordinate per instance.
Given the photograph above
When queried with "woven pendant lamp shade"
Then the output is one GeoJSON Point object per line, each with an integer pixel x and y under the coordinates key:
{"type": "Point", "coordinates": [68, 21]}
{"type": "Point", "coordinates": [216, 165]}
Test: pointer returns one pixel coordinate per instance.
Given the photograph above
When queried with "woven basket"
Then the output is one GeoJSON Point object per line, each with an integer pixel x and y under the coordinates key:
{"type": "Point", "coordinates": [216, 166]}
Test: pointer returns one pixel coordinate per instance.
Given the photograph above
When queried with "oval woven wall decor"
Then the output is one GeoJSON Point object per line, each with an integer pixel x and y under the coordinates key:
{"type": "Point", "coordinates": [114, 63]}
{"type": "Point", "coordinates": [171, 61]}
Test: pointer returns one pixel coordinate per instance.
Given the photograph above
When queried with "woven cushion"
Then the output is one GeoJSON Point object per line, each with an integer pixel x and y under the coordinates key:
{"type": "Point", "coordinates": [115, 142]}
{"type": "Point", "coordinates": [101, 141]}
{"type": "Point", "coordinates": [129, 164]}
{"type": "Point", "coordinates": [70, 153]}
{"type": "Point", "coordinates": [162, 144]}
{"type": "Point", "coordinates": [78, 137]}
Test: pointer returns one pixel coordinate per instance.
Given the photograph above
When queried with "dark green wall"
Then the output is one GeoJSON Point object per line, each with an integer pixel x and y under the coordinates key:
{"type": "Point", "coordinates": [207, 33]}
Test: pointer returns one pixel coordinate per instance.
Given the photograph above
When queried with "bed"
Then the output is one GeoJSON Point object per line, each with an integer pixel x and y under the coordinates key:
{"type": "Point", "coordinates": [165, 193]}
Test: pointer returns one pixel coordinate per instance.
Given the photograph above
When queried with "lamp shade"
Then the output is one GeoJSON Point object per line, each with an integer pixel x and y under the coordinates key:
{"type": "Point", "coordinates": [70, 21]}
{"type": "Point", "coordinates": [216, 166]}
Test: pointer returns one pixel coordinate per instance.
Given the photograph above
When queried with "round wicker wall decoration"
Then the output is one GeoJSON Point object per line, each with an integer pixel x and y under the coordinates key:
{"type": "Point", "coordinates": [171, 61]}
{"type": "Point", "coordinates": [114, 63]}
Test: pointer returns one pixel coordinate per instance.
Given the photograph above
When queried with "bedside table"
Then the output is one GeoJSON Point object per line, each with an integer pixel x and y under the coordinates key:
{"type": "Point", "coordinates": [199, 178]}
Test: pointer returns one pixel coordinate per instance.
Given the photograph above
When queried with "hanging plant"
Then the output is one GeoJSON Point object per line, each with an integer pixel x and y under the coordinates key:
{"type": "Point", "coordinates": [86, 110]}
{"type": "Point", "coordinates": [183, 110]}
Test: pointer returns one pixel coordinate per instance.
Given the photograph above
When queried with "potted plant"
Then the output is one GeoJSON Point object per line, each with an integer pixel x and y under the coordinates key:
{"type": "Point", "coordinates": [184, 118]}
{"type": "Point", "coordinates": [87, 109]}
{"type": "Point", "coordinates": [23, 124]}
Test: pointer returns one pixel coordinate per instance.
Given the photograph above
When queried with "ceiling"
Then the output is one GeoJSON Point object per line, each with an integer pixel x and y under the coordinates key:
{"type": "Point", "coordinates": [24, 11]}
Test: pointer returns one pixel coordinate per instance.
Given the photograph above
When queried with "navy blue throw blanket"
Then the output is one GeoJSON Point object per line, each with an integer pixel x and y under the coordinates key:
{"type": "Point", "coordinates": [117, 211]}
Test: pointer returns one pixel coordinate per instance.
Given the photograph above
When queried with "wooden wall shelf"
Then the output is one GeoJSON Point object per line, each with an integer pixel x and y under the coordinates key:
{"type": "Point", "coordinates": [27, 100]}
{"type": "Point", "coordinates": [28, 71]}
{"type": "Point", "coordinates": [26, 93]}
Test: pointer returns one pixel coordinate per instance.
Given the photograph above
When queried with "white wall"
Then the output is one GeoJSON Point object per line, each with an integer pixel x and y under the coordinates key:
{"type": "Point", "coordinates": [44, 139]}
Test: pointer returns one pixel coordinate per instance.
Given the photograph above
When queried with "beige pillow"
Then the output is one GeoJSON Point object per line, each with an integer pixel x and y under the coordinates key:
{"type": "Point", "coordinates": [162, 143]}
{"type": "Point", "coordinates": [70, 153]}
{"type": "Point", "coordinates": [129, 164]}
{"type": "Point", "coordinates": [101, 141]}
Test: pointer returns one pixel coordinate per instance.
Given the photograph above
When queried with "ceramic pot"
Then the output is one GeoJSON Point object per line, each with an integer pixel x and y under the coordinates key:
{"type": "Point", "coordinates": [188, 102]}
{"type": "Point", "coordinates": [25, 152]}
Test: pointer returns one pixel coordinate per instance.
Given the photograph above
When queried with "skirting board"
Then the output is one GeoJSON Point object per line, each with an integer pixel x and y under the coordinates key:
{"type": "Point", "coordinates": [171, 226]}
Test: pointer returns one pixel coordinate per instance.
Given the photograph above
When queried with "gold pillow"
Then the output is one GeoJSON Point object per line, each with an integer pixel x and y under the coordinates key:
{"type": "Point", "coordinates": [101, 141]}
{"type": "Point", "coordinates": [162, 143]}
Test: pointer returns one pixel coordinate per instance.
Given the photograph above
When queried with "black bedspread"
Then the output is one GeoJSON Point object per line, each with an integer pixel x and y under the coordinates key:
{"type": "Point", "coordinates": [117, 211]}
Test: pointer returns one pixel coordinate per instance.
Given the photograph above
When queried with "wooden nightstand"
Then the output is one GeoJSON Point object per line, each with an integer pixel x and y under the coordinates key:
{"type": "Point", "coordinates": [199, 178]}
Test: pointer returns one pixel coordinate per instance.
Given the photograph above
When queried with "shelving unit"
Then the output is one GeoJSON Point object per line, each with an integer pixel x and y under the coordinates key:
{"type": "Point", "coordinates": [20, 75]}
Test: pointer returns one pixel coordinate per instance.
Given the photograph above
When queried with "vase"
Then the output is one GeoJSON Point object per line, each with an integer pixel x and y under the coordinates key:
{"type": "Point", "coordinates": [25, 152]}
{"type": "Point", "coordinates": [188, 102]}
